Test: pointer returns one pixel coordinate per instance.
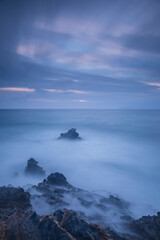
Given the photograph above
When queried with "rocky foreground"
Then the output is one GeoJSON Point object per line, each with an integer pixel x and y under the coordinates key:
{"type": "Point", "coordinates": [54, 209]}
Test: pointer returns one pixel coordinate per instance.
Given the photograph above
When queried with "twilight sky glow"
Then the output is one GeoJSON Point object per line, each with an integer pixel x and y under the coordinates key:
{"type": "Point", "coordinates": [80, 54]}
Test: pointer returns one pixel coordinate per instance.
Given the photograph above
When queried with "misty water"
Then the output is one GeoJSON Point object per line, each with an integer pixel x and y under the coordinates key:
{"type": "Point", "coordinates": [119, 152]}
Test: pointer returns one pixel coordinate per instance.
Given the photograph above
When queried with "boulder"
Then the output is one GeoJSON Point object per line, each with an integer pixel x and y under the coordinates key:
{"type": "Point", "coordinates": [71, 134]}
{"type": "Point", "coordinates": [56, 179]}
{"type": "Point", "coordinates": [33, 169]}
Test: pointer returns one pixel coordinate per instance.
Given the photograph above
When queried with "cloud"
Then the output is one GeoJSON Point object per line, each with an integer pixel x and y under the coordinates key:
{"type": "Point", "coordinates": [77, 91]}
{"type": "Point", "coordinates": [66, 91]}
{"type": "Point", "coordinates": [54, 90]}
{"type": "Point", "coordinates": [17, 89]}
{"type": "Point", "coordinates": [39, 50]}
{"type": "Point", "coordinates": [81, 100]}
{"type": "Point", "coordinates": [53, 100]}
{"type": "Point", "coordinates": [153, 84]}
{"type": "Point", "coordinates": [85, 47]}
{"type": "Point", "coordinates": [143, 42]}
{"type": "Point", "coordinates": [75, 80]}
{"type": "Point", "coordinates": [43, 100]}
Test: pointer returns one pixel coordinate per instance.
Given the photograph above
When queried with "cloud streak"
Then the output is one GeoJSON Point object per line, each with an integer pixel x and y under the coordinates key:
{"type": "Point", "coordinates": [81, 101]}
{"type": "Point", "coordinates": [53, 100]}
{"type": "Point", "coordinates": [17, 89]}
{"type": "Point", "coordinates": [66, 91]}
{"type": "Point", "coordinates": [75, 48]}
{"type": "Point", "coordinates": [153, 84]}
{"type": "Point", "coordinates": [43, 100]}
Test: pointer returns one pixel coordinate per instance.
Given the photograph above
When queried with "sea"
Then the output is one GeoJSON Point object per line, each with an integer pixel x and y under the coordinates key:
{"type": "Point", "coordinates": [119, 152]}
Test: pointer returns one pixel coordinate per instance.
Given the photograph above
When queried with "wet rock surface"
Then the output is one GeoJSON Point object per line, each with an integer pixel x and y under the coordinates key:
{"type": "Point", "coordinates": [33, 169]}
{"type": "Point", "coordinates": [56, 193]}
{"type": "Point", "coordinates": [18, 221]}
{"type": "Point", "coordinates": [56, 179]}
{"type": "Point", "coordinates": [148, 227]}
{"type": "Point", "coordinates": [41, 213]}
{"type": "Point", "coordinates": [71, 135]}
{"type": "Point", "coordinates": [28, 225]}
{"type": "Point", "coordinates": [13, 199]}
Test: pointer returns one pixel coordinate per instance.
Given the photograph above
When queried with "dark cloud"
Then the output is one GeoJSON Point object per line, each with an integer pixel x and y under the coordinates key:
{"type": "Point", "coordinates": [104, 47]}
{"type": "Point", "coordinates": [143, 42]}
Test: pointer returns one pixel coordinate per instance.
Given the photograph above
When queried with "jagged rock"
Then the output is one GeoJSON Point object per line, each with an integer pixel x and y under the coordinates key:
{"type": "Point", "coordinates": [56, 179]}
{"type": "Point", "coordinates": [57, 193]}
{"type": "Point", "coordinates": [33, 169]}
{"type": "Point", "coordinates": [71, 134]}
{"type": "Point", "coordinates": [114, 235]}
{"type": "Point", "coordinates": [28, 225]}
{"type": "Point", "coordinates": [19, 222]}
{"type": "Point", "coordinates": [148, 227]}
{"type": "Point", "coordinates": [13, 199]}
{"type": "Point", "coordinates": [81, 229]}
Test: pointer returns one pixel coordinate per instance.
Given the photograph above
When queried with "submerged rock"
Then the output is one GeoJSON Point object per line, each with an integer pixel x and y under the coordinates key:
{"type": "Point", "coordinates": [71, 134]}
{"type": "Point", "coordinates": [33, 168]}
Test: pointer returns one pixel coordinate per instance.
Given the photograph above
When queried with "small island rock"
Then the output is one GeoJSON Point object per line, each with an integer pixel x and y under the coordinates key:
{"type": "Point", "coordinates": [71, 134]}
{"type": "Point", "coordinates": [56, 179]}
{"type": "Point", "coordinates": [32, 168]}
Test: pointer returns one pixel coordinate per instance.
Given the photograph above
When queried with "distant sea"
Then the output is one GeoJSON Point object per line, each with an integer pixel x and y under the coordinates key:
{"type": "Point", "coordinates": [119, 152]}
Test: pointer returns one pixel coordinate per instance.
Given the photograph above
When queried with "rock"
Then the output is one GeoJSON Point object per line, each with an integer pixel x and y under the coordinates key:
{"type": "Point", "coordinates": [56, 179]}
{"type": "Point", "coordinates": [114, 235]}
{"type": "Point", "coordinates": [33, 168]}
{"type": "Point", "coordinates": [58, 194]}
{"type": "Point", "coordinates": [24, 225]}
{"type": "Point", "coordinates": [18, 220]}
{"type": "Point", "coordinates": [71, 134]}
{"type": "Point", "coordinates": [148, 227]}
{"type": "Point", "coordinates": [13, 199]}
{"type": "Point", "coordinates": [81, 229]}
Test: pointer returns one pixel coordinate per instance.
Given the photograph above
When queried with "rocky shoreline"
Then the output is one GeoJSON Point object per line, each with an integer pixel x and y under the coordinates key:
{"type": "Point", "coordinates": [54, 209]}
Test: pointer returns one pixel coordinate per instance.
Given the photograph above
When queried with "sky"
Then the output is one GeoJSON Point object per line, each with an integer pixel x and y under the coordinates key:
{"type": "Point", "coordinates": [80, 54]}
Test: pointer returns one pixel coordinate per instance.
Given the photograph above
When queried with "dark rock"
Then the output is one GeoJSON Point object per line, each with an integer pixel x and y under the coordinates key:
{"type": "Point", "coordinates": [19, 222]}
{"type": "Point", "coordinates": [148, 227]}
{"type": "Point", "coordinates": [13, 199]}
{"type": "Point", "coordinates": [33, 168]}
{"type": "Point", "coordinates": [59, 215]}
{"type": "Point", "coordinates": [81, 229]}
{"type": "Point", "coordinates": [71, 134]}
{"type": "Point", "coordinates": [56, 179]}
{"type": "Point", "coordinates": [57, 193]}
{"type": "Point", "coordinates": [119, 203]}
{"type": "Point", "coordinates": [50, 229]}
{"type": "Point", "coordinates": [28, 225]}
{"type": "Point", "coordinates": [114, 235]}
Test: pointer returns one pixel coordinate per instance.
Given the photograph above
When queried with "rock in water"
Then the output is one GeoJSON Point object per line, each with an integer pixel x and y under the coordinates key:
{"type": "Point", "coordinates": [33, 168]}
{"type": "Point", "coordinates": [71, 134]}
{"type": "Point", "coordinates": [28, 225]}
{"type": "Point", "coordinates": [56, 179]}
{"type": "Point", "coordinates": [13, 199]}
